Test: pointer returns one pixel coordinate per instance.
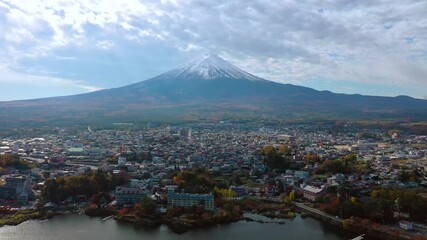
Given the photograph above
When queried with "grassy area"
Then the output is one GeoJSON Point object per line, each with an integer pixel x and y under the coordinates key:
{"type": "Point", "coordinates": [21, 216]}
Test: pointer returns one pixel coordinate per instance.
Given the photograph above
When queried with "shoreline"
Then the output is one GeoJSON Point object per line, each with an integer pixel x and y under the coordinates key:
{"type": "Point", "coordinates": [236, 230]}
{"type": "Point", "coordinates": [25, 215]}
{"type": "Point", "coordinates": [176, 225]}
{"type": "Point", "coordinates": [183, 224]}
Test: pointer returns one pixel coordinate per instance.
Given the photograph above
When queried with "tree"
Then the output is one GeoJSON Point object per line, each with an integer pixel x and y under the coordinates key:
{"type": "Point", "coordinates": [382, 202]}
{"type": "Point", "coordinates": [349, 159]}
{"type": "Point", "coordinates": [403, 176]}
{"type": "Point", "coordinates": [269, 151]}
{"type": "Point", "coordinates": [290, 198]}
{"type": "Point", "coordinates": [280, 187]}
{"type": "Point", "coordinates": [194, 181]}
{"type": "Point", "coordinates": [59, 189]}
{"type": "Point", "coordinates": [100, 199]}
{"type": "Point", "coordinates": [332, 166]}
{"type": "Point", "coordinates": [386, 211]}
{"type": "Point", "coordinates": [274, 159]}
{"type": "Point", "coordinates": [224, 192]}
{"type": "Point", "coordinates": [14, 160]}
{"type": "Point", "coordinates": [418, 209]}
{"type": "Point", "coordinates": [145, 206]}
{"type": "Point", "coordinates": [351, 208]}
{"type": "Point", "coordinates": [49, 189]}
{"type": "Point", "coordinates": [283, 150]}
{"type": "Point", "coordinates": [311, 158]}
{"type": "Point", "coordinates": [236, 180]}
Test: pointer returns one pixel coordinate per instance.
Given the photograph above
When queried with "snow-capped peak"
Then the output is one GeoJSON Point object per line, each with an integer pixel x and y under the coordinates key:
{"type": "Point", "coordinates": [210, 66]}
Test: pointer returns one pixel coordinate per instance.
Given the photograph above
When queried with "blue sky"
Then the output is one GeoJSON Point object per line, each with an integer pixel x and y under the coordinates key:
{"type": "Point", "coordinates": [55, 48]}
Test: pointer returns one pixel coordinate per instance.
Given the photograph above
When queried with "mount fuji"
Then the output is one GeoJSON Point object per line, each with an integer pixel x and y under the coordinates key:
{"type": "Point", "coordinates": [207, 88]}
{"type": "Point", "coordinates": [209, 66]}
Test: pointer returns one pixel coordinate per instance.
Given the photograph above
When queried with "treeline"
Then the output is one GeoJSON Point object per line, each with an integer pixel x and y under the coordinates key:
{"type": "Point", "coordinates": [58, 189]}
{"type": "Point", "coordinates": [404, 201]}
{"type": "Point", "coordinates": [14, 161]}
{"type": "Point", "coordinates": [194, 181]}
{"type": "Point", "coordinates": [346, 164]}
{"type": "Point", "coordinates": [379, 207]}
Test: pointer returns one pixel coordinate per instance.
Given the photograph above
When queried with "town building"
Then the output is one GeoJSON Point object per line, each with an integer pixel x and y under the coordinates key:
{"type": "Point", "coordinates": [190, 200]}
{"type": "Point", "coordinates": [129, 195]}
{"type": "Point", "coordinates": [302, 174]}
{"type": "Point", "coordinates": [15, 187]}
{"type": "Point", "coordinates": [239, 190]}
{"type": "Point", "coordinates": [406, 225]}
{"type": "Point", "coordinates": [121, 161]}
{"type": "Point", "coordinates": [311, 192]}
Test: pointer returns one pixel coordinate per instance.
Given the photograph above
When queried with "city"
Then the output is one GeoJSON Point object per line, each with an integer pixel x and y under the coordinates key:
{"type": "Point", "coordinates": [342, 170]}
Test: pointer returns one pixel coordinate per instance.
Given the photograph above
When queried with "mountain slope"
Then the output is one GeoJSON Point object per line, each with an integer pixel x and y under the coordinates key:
{"type": "Point", "coordinates": [207, 87]}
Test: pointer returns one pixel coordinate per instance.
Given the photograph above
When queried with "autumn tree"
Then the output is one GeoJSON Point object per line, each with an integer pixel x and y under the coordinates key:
{"type": "Point", "coordinates": [14, 161]}
{"type": "Point", "coordinates": [194, 181]}
{"type": "Point", "coordinates": [311, 158]}
{"type": "Point", "coordinates": [100, 199]}
{"type": "Point", "coordinates": [224, 192]}
{"type": "Point", "coordinates": [57, 190]}
{"type": "Point", "coordinates": [290, 198]}
{"type": "Point", "coordinates": [283, 149]}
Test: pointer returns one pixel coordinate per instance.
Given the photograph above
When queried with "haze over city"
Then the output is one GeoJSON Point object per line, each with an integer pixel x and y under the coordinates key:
{"type": "Point", "coordinates": [69, 47]}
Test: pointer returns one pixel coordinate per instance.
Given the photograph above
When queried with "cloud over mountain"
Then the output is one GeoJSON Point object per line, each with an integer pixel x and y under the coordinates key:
{"type": "Point", "coordinates": [344, 43]}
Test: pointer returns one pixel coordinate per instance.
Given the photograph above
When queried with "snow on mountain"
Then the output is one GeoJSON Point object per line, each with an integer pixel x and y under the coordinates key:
{"type": "Point", "coordinates": [210, 66]}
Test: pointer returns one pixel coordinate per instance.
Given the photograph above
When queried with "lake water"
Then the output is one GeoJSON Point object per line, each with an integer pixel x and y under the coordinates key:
{"type": "Point", "coordinates": [81, 227]}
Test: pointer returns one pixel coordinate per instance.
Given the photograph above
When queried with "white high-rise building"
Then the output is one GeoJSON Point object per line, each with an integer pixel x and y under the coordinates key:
{"type": "Point", "coordinates": [121, 161]}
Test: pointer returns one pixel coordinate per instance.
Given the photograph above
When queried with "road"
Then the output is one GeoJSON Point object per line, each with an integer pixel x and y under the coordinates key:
{"type": "Point", "coordinates": [316, 211]}
{"type": "Point", "coordinates": [421, 229]}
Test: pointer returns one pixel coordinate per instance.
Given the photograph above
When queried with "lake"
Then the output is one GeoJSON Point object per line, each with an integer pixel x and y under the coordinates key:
{"type": "Point", "coordinates": [71, 227]}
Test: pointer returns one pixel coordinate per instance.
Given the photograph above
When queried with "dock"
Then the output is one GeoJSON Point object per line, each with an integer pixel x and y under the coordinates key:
{"type": "Point", "coordinates": [359, 237]}
{"type": "Point", "coordinates": [106, 218]}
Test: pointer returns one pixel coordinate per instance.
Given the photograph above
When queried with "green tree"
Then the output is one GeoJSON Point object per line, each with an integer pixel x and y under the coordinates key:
{"type": "Point", "coordinates": [145, 206]}
{"type": "Point", "coordinates": [403, 176]}
{"type": "Point", "coordinates": [49, 189]}
{"type": "Point", "coordinates": [418, 209]}
{"type": "Point", "coordinates": [280, 187]}
{"type": "Point", "coordinates": [274, 159]}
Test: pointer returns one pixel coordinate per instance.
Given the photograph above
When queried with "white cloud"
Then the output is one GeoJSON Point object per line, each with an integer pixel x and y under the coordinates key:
{"type": "Point", "coordinates": [10, 76]}
{"type": "Point", "coordinates": [189, 47]}
{"type": "Point", "coordinates": [286, 41]}
{"type": "Point", "coordinates": [104, 44]}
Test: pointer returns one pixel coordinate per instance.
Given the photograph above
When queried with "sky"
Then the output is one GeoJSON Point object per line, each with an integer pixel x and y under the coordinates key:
{"type": "Point", "coordinates": [55, 48]}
